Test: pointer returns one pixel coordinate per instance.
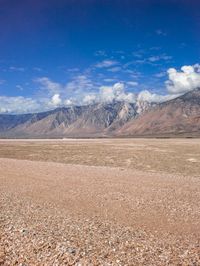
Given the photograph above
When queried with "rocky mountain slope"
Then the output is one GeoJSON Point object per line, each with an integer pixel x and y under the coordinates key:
{"type": "Point", "coordinates": [77, 121]}
{"type": "Point", "coordinates": [177, 116]}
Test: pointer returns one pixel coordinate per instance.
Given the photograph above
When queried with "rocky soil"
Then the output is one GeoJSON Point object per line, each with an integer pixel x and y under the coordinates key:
{"type": "Point", "coordinates": [58, 214]}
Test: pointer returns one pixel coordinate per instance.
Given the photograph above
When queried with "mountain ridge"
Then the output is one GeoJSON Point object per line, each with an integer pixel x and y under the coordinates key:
{"type": "Point", "coordinates": [88, 120]}
{"type": "Point", "coordinates": [177, 116]}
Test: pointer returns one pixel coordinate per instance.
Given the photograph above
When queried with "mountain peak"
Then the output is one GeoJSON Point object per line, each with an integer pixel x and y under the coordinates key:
{"type": "Point", "coordinates": [177, 116]}
{"type": "Point", "coordinates": [87, 120]}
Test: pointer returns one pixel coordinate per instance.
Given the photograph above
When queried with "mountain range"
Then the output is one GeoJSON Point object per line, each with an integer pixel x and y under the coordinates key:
{"type": "Point", "coordinates": [180, 116]}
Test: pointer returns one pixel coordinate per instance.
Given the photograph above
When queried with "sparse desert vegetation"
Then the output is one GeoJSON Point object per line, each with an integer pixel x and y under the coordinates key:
{"type": "Point", "coordinates": [100, 202]}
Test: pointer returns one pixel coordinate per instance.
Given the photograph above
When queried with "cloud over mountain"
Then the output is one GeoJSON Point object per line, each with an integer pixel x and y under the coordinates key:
{"type": "Point", "coordinates": [117, 92]}
{"type": "Point", "coordinates": [177, 84]}
{"type": "Point", "coordinates": [56, 100]}
{"type": "Point", "coordinates": [185, 80]}
{"type": "Point", "coordinates": [83, 90]}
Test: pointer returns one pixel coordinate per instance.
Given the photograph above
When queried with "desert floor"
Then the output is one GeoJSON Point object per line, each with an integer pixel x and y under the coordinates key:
{"type": "Point", "coordinates": [100, 202]}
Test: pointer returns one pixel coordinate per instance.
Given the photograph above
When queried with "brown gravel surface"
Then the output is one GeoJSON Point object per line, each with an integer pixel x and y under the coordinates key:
{"type": "Point", "coordinates": [152, 155]}
{"type": "Point", "coordinates": [63, 214]}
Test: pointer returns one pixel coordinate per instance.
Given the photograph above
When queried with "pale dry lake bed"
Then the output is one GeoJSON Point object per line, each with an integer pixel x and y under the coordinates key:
{"type": "Point", "coordinates": [100, 202]}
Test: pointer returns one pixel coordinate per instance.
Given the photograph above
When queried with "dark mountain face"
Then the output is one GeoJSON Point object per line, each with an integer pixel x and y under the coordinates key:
{"type": "Point", "coordinates": [92, 120]}
{"type": "Point", "coordinates": [8, 122]}
{"type": "Point", "coordinates": [177, 116]}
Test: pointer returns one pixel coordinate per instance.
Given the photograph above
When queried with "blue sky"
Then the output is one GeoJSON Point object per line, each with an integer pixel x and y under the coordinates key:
{"type": "Point", "coordinates": [58, 53]}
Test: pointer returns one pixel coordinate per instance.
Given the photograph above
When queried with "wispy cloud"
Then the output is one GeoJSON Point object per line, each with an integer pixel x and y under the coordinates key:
{"type": "Point", "coordinates": [106, 63]}
{"type": "Point", "coordinates": [73, 70]}
{"type": "Point", "coordinates": [139, 54]}
{"type": "Point", "coordinates": [154, 59]}
{"type": "Point", "coordinates": [100, 53]}
{"type": "Point", "coordinates": [109, 80]}
{"type": "Point", "coordinates": [19, 104]}
{"type": "Point", "coordinates": [82, 90]}
{"type": "Point", "coordinates": [161, 32]}
{"type": "Point", "coordinates": [79, 83]}
{"type": "Point", "coordinates": [132, 83]}
{"type": "Point", "coordinates": [38, 69]}
{"type": "Point", "coordinates": [19, 87]}
{"type": "Point", "coordinates": [147, 96]}
{"type": "Point", "coordinates": [17, 69]}
{"type": "Point", "coordinates": [155, 48]}
{"type": "Point", "coordinates": [159, 58]}
{"type": "Point", "coordinates": [160, 74]}
{"type": "Point", "coordinates": [115, 69]}
{"type": "Point", "coordinates": [50, 86]}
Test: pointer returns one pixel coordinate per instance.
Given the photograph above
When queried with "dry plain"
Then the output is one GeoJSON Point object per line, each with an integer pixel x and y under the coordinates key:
{"type": "Point", "coordinates": [100, 202]}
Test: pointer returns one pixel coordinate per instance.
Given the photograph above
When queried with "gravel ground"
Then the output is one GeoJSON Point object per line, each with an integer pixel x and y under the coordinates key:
{"type": "Point", "coordinates": [173, 156]}
{"type": "Point", "coordinates": [58, 214]}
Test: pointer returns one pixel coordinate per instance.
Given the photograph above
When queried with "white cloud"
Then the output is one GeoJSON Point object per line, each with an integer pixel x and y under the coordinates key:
{"type": "Point", "coordinates": [133, 73]}
{"type": "Point", "coordinates": [166, 57]}
{"type": "Point", "coordinates": [106, 63]}
{"type": "Point", "coordinates": [68, 102]}
{"type": "Point", "coordinates": [160, 74]}
{"type": "Point", "coordinates": [139, 54]}
{"type": "Point", "coordinates": [56, 100]}
{"type": "Point", "coordinates": [152, 60]}
{"type": "Point", "coordinates": [147, 96]}
{"type": "Point", "coordinates": [185, 80]}
{"type": "Point", "coordinates": [197, 68]}
{"type": "Point", "coordinates": [38, 69]}
{"type": "Point", "coordinates": [74, 69]}
{"type": "Point", "coordinates": [132, 83]}
{"type": "Point", "coordinates": [19, 87]}
{"type": "Point", "coordinates": [90, 98]}
{"type": "Point", "coordinates": [179, 83]}
{"type": "Point", "coordinates": [107, 94]}
{"type": "Point", "coordinates": [3, 110]}
{"type": "Point", "coordinates": [83, 90]}
{"type": "Point", "coordinates": [79, 83]}
{"type": "Point", "coordinates": [71, 93]}
{"type": "Point", "coordinates": [50, 86]}
{"type": "Point", "coordinates": [17, 69]}
{"type": "Point", "coordinates": [155, 48]}
{"type": "Point", "coordinates": [100, 53]}
{"type": "Point", "coordinates": [109, 80]}
{"type": "Point", "coordinates": [116, 92]}
{"type": "Point", "coordinates": [19, 104]}
{"type": "Point", "coordinates": [157, 58]}
{"type": "Point", "coordinates": [161, 32]}
{"type": "Point", "coordinates": [115, 69]}
{"type": "Point", "coordinates": [140, 61]}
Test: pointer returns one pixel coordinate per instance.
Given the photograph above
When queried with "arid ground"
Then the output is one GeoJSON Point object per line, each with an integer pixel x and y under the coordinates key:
{"type": "Point", "coordinates": [100, 202]}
